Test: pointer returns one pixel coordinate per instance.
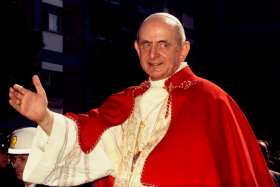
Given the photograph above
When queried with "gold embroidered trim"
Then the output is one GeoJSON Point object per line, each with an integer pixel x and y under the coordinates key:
{"type": "Point", "coordinates": [142, 87]}
{"type": "Point", "coordinates": [183, 85]}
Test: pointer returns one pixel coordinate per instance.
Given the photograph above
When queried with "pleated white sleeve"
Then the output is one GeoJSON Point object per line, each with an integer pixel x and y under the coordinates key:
{"type": "Point", "coordinates": [57, 160]}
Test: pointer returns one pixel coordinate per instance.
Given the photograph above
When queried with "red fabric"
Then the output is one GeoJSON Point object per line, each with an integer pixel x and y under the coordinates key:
{"type": "Point", "coordinates": [104, 182]}
{"type": "Point", "coordinates": [209, 142]}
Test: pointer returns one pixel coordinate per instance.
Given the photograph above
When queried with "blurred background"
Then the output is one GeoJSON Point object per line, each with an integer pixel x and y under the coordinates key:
{"type": "Point", "coordinates": [83, 52]}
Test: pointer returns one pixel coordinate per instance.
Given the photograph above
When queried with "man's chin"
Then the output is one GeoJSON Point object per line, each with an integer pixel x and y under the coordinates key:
{"type": "Point", "coordinates": [19, 176]}
{"type": "Point", "coordinates": [155, 76]}
{"type": "Point", "coordinates": [158, 77]}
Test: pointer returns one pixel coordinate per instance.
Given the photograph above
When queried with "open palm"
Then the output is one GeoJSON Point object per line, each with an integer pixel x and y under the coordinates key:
{"type": "Point", "coordinates": [32, 105]}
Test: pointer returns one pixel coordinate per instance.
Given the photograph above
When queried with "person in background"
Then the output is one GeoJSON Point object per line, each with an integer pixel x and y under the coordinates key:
{"type": "Point", "coordinates": [175, 129]}
{"type": "Point", "coordinates": [19, 148]}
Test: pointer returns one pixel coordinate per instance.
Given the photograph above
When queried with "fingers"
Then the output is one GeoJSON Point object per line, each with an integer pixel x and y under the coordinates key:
{"type": "Point", "coordinates": [16, 96]}
{"type": "Point", "coordinates": [14, 104]}
{"type": "Point", "coordinates": [19, 89]}
{"type": "Point", "coordinates": [38, 85]}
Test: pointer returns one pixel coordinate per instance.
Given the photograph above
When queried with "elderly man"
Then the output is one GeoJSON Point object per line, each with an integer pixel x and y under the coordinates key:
{"type": "Point", "coordinates": [175, 129]}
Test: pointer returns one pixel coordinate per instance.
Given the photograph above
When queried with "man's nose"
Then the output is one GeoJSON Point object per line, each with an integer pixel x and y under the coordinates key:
{"type": "Point", "coordinates": [153, 52]}
{"type": "Point", "coordinates": [15, 162]}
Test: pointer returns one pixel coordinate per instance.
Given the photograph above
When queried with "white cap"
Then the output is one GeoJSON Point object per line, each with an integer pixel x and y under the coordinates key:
{"type": "Point", "coordinates": [21, 140]}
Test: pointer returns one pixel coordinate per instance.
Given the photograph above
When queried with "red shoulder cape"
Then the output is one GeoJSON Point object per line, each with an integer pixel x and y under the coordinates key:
{"type": "Point", "coordinates": [209, 142]}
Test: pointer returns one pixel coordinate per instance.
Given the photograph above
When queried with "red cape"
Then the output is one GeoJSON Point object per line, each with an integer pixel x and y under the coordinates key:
{"type": "Point", "coordinates": [209, 142]}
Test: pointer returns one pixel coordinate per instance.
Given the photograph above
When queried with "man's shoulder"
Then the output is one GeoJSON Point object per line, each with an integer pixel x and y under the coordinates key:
{"type": "Point", "coordinates": [133, 91]}
{"type": "Point", "coordinates": [187, 78]}
{"type": "Point", "coordinates": [208, 89]}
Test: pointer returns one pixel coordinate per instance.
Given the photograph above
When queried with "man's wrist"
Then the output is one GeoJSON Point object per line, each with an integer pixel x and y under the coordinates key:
{"type": "Point", "coordinates": [46, 122]}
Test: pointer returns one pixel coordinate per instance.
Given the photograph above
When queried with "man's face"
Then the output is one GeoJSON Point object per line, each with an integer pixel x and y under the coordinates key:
{"type": "Point", "coordinates": [18, 163]}
{"type": "Point", "coordinates": [159, 50]}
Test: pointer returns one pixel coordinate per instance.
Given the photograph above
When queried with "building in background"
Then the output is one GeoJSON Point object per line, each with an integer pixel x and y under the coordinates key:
{"type": "Point", "coordinates": [35, 43]}
{"type": "Point", "coordinates": [48, 20]}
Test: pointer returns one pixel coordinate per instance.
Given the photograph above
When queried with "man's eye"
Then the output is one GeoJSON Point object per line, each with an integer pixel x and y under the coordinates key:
{"type": "Point", "coordinates": [163, 44]}
{"type": "Point", "coordinates": [23, 159]}
{"type": "Point", "coordinates": [146, 45]}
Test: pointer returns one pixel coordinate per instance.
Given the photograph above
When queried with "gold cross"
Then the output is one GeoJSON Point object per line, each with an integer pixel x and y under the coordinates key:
{"type": "Point", "coordinates": [142, 125]}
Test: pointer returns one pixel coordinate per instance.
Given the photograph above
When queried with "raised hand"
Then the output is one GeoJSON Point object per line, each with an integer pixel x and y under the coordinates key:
{"type": "Point", "coordinates": [32, 105]}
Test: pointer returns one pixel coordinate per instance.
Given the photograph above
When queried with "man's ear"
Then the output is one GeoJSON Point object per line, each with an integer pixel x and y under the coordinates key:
{"type": "Point", "coordinates": [136, 46]}
{"type": "Point", "coordinates": [185, 50]}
